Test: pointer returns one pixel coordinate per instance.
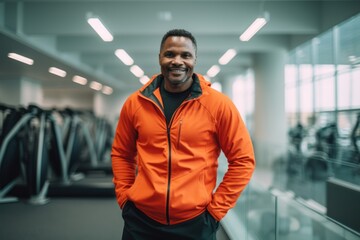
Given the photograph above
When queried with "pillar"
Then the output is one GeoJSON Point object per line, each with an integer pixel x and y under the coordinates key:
{"type": "Point", "coordinates": [269, 133]}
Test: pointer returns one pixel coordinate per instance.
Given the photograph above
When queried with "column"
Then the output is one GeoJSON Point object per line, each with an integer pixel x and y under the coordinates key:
{"type": "Point", "coordinates": [270, 128]}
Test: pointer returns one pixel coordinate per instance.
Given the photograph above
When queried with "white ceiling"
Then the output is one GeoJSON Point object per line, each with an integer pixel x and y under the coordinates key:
{"type": "Point", "coordinates": [56, 33]}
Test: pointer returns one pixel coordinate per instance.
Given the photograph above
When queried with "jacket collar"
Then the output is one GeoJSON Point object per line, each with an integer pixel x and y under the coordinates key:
{"type": "Point", "coordinates": [197, 87]}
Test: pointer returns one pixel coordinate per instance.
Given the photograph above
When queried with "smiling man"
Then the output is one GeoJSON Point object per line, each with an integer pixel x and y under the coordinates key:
{"type": "Point", "coordinates": [166, 147]}
{"type": "Point", "coordinates": [177, 59]}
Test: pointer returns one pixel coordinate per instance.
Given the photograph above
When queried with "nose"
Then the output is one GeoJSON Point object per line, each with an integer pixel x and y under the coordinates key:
{"type": "Point", "coordinates": [177, 60]}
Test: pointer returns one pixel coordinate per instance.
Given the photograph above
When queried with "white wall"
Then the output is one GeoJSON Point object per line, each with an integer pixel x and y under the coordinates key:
{"type": "Point", "coordinates": [75, 99]}
{"type": "Point", "coordinates": [30, 92]}
{"type": "Point", "coordinates": [22, 91]}
{"type": "Point", "coordinates": [10, 91]}
{"type": "Point", "coordinates": [109, 106]}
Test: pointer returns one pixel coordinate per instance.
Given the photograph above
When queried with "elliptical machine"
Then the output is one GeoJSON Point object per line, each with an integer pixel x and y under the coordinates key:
{"type": "Point", "coordinates": [355, 138]}
{"type": "Point", "coordinates": [295, 156]}
{"type": "Point", "coordinates": [10, 153]}
{"type": "Point", "coordinates": [318, 164]}
{"type": "Point", "coordinates": [23, 156]}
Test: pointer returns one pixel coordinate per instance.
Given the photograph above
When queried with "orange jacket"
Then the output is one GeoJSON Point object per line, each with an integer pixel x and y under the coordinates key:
{"type": "Point", "coordinates": [169, 172]}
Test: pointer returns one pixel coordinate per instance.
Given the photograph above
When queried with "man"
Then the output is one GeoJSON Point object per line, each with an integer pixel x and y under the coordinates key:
{"type": "Point", "coordinates": [167, 142]}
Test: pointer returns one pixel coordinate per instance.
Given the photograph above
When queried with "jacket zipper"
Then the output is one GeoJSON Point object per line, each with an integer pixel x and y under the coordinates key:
{"type": "Point", "coordinates": [169, 165]}
{"type": "Point", "coordinates": [169, 179]}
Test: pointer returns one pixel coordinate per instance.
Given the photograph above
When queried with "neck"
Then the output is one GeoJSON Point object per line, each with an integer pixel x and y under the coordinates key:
{"type": "Point", "coordinates": [175, 88]}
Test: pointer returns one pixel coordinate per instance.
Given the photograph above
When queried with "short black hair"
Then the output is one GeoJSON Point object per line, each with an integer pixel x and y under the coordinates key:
{"type": "Point", "coordinates": [178, 33]}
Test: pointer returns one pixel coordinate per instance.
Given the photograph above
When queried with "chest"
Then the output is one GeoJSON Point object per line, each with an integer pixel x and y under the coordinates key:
{"type": "Point", "coordinates": [190, 123]}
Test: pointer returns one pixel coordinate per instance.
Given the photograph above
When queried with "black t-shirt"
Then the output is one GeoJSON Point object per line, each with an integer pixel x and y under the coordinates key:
{"type": "Point", "coordinates": [172, 101]}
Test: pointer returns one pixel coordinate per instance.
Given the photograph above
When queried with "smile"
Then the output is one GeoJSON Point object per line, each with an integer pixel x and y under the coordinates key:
{"type": "Point", "coordinates": [177, 70]}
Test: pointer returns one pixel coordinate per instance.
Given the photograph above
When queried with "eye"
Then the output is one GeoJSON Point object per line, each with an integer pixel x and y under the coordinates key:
{"type": "Point", "coordinates": [168, 54]}
{"type": "Point", "coordinates": [187, 55]}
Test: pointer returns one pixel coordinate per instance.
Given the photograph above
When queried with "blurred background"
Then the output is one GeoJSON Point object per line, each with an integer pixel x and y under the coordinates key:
{"type": "Point", "coordinates": [291, 67]}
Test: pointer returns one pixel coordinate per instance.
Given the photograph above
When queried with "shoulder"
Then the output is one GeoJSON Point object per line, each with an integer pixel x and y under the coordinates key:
{"type": "Point", "coordinates": [132, 103]}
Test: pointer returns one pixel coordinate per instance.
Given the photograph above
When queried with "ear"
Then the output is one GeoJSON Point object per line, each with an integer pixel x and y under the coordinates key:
{"type": "Point", "coordinates": [159, 58]}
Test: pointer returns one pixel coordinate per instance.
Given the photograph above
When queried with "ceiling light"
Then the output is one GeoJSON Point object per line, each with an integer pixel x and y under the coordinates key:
{"type": "Point", "coordinates": [107, 90]}
{"type": "Point", "coordinates": [213, 71]}
{"type": "Point", "coordinates": [95, 85]}
{"type": "Point", "coordinates": [228, 55]}
{"type": "Point", "coordinates": [21, 58]}
{"type": "Point", "coordinates": [144, 79]}
{"type": "Point", "coordinates": [79, 80]}
{"type": "Point", "coordinates": [100, 29]}
{"type": "Point", "coordinates": [254, 27]}
{"type": "Point", "coordinates": [57, 71]}
{"type": "Point", "coordinates": [124, 57]}
{"type": "Point", "coordinates": [137, 71]}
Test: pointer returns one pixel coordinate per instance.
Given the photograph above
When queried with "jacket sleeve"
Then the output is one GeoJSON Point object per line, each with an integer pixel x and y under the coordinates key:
{"type": "Point", "coordinates": [236, 144]}
{"type": "Point", "coordinates": [123, 154]}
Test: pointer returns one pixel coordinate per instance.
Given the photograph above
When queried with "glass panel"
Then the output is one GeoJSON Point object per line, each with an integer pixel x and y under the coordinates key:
{"type": "Point", "coordinates": [290, 88]}
{"type": "Point", "coordinates": [290, 75]}
{"type": "Point", "coordinates": [346, 121]}
{"type": "Point", "coordinates": [304, 59]}
{"type": "Point", "coordinates": [253, 217]}
{"type": "Point", "coordinates": [260, 215]}
{"type": "Point", "coordinates": [325, 94]}
{"type": "Point", "coordinates": [305, 172]}
{"type": "Point", "coordinates": [348, 86]}
{"type": "Point", "coordinates": [324, 55]}
{"type": "Point", "coordinates": [344, 90]}
{"type": "Point", "coordinates": [324, 70]}
{"type": "Point", "coordinates": [306, 97]}
{"type": "Point", "coordinates": [297, 222]}
{"type": "Point", "coordinates": [349, 43]}
{"type": "Point", "coordinates": [355, 88]}
{"type": "Point", "coordinates": [244, 96]}
{"type": "Point", "coordinates": [292, 118]}
{"type": "Point", "coordinates": [345, 169]}
{"type": "Point", "coordinates": [290, 103]}
{"type": "Point", "coordinates": [305, 72]}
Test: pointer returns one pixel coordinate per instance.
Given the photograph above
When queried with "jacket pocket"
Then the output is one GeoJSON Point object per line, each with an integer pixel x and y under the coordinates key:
{"type": "Point", "coordinates": [179, 133]}
{"type": "Point", "coordinates": [203, 191]}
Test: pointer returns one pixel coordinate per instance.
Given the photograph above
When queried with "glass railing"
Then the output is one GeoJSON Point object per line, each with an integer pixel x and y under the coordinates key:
{"type": "Point", "coordinates": [263, 214]}
{"type": "Point", "coordinates": [307, 174]}
{"type": "Point", "coordinates": [292, 208]}
{"type": "Point", "coordinates": [302, 222]}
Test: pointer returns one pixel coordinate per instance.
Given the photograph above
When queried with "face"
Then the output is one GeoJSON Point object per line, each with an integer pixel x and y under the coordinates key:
{"type": "Point", "coordinates": [177, 59]}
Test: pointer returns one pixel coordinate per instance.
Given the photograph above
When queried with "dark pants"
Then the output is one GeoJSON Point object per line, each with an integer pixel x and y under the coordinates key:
{"type": "Point", "coordinates": [138, 226]}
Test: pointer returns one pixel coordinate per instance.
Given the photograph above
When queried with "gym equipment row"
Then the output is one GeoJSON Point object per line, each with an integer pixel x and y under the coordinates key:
{"type": "Point", "coordinates": [40, 158]}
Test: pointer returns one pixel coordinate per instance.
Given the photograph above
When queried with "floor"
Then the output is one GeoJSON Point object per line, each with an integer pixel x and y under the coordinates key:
{"type": "Point", "coordinates": [65, 219]}
{"type": "Point", "coordinates": [62, 219]}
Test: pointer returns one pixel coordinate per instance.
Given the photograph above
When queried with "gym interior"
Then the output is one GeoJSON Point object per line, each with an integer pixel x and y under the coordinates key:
{"type": "Point", "coordinates": [295, 81]}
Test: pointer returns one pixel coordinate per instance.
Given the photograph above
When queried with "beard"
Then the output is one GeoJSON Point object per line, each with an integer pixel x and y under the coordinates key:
{"type": "Point", "coordinates": [177, 76]}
